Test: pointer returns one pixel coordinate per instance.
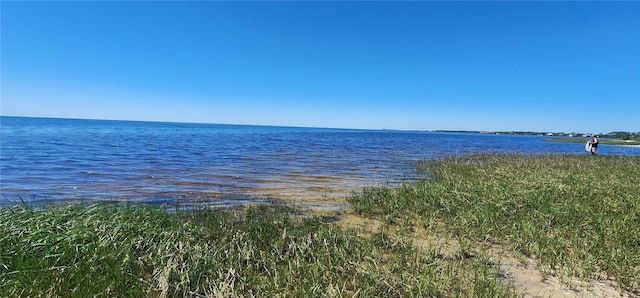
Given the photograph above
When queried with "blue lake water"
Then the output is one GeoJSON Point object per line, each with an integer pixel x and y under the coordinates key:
{"type": "Point", "coordinates": [60, 160]}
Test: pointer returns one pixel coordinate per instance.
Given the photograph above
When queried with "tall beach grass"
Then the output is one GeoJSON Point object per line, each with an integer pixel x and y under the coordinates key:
{"type": "Point", "coordinates": [578, 215]}
{"type": "Point", "coordinates": [136, 251]}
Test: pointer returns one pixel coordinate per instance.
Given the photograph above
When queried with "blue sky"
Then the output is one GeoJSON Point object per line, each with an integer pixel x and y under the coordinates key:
{"type": "Point", "coordinates": [528, 66]}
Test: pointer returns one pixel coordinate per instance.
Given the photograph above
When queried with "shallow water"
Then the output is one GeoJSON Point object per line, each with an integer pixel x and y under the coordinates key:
{"type": "Point", "coordinates": [55, 160]}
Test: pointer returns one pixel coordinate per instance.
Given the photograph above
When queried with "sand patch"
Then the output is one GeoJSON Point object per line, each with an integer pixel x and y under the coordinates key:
{"type": "Point", "coordinates": [529, 280]}
{"type": "Point", "coordinates": [525, 273]}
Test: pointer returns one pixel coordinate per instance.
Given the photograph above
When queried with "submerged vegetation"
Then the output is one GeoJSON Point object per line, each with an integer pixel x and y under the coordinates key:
{"type": "Point", "coordinates": [578, 215]}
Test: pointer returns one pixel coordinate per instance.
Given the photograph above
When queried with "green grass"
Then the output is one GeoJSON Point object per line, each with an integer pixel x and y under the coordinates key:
{"type": "Point", "coordinates": [579, 215]}
{"type": "Point", "coordinates": [136, 251]}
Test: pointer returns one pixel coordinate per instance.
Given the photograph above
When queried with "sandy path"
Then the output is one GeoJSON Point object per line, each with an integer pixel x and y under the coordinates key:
{"type": "Point", "coordinates": [525, 273]}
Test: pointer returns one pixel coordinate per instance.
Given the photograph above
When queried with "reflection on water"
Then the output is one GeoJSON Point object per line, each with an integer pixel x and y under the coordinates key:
{"type": "Point", "coordinates": [55, 160]}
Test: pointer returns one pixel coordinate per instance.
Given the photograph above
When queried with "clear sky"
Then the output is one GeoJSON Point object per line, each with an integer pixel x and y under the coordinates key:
{"type": "Point", "coordinates": [526, 66]}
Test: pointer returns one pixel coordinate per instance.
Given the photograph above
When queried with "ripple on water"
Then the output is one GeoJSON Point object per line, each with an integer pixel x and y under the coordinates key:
{"type": "Point", "coordinates": [54, 160]}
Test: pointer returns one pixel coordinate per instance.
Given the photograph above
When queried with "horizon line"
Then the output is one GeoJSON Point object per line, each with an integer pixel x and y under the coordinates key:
{"type": "Point", "coordinates": [317, 127]}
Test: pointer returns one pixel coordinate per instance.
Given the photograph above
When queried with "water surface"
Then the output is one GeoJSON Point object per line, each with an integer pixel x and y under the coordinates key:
{"type": "Point", "coordinates": [54, 160]}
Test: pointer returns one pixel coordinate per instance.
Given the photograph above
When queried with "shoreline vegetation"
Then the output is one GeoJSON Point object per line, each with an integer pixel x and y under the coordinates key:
{"type": "Point", "coordinates": [575, 217]}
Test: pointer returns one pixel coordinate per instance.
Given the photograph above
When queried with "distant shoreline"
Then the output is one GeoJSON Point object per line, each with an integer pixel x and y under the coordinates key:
{"type": "Point", "coordinates": [626, 143]}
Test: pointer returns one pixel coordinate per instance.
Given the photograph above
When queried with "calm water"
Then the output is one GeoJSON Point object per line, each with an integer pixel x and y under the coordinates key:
{"type": "Point", "coordinates": [50, 160]}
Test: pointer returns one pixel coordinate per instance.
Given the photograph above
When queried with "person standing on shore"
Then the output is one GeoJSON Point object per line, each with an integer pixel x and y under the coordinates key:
{"type": "Point", "coordinates": [594, 144]}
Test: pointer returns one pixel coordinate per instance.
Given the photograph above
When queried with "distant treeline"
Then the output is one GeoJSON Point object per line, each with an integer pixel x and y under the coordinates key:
{"type": "Point", "coordinates": [623, 135]}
